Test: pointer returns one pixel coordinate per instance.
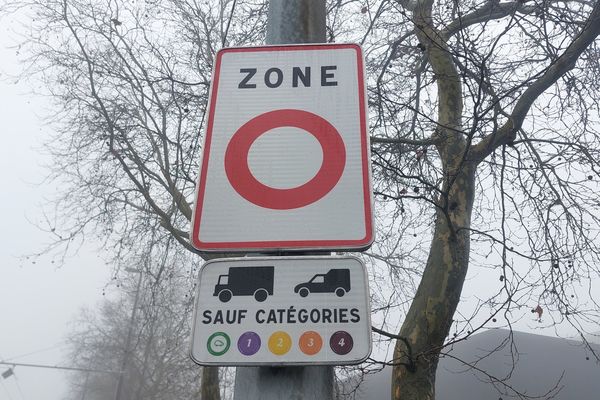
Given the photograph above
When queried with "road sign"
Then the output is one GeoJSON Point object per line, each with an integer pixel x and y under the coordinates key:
{"type": "Point", "coordinates": [282, 311]}
{"type": "Point", "coordinates": [286, 163]}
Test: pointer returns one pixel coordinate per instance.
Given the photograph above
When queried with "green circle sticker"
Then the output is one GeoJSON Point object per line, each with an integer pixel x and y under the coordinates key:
{"type": "Point", "coordinates": [218, 343]}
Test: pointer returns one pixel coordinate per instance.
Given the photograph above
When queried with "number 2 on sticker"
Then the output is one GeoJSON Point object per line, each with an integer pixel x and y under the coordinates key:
{"type": "Point", "coordinates": [280, 343]}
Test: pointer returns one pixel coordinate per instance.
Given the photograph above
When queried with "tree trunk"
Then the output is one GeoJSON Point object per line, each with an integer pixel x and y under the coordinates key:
{"type": "Point", "coordinates": [429, 318]}
{"type": "Point", "coordinates": [430, 315]}
{"type": "Point", "coordinates": [210, 384]}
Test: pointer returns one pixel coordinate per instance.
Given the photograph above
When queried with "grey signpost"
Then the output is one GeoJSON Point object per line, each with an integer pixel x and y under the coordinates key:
{"type": "Point", "coordinates": [289, 21]}
{"type": "Point", "coordinates": [296, 21]}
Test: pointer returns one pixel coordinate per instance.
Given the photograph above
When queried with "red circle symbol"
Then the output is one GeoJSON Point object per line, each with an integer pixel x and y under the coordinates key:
{"type": "Point", "coordinates": [242, 180]}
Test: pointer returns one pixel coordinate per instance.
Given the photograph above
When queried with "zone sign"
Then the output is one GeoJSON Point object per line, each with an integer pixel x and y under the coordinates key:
{"type": "Point", "coordinates": [286, 161]}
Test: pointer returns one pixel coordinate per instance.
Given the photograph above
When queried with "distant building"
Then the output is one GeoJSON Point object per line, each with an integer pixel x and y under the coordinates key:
{"type": "Point", "coordinates": [538, 366]}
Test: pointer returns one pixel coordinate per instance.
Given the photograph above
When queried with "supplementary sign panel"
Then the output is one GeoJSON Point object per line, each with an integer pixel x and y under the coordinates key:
{"type": "Point", "coordinates": [286, 162]}
{"type": "Point", "coordinates": [282, 311]}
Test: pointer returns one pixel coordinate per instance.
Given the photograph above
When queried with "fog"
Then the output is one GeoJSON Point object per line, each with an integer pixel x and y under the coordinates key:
{"type": "Point", "coordinates": [37, 297]}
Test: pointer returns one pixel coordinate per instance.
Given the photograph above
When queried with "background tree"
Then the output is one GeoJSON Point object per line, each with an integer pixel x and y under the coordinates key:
{"type": "Point", "coordinates": [130, 83]}
{"type": "Point", "coordinates": [485, 127]}
{"type": "Point", "coordinates": [144, 333]}
{"type": "Point", "coordinates": [485, 142]}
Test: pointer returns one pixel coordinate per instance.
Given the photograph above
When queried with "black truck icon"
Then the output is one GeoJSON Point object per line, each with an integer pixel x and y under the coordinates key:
{"type": "Point", "coordinates": [334, 281]}
{"type": "Point", "coordinates": [245, 281]}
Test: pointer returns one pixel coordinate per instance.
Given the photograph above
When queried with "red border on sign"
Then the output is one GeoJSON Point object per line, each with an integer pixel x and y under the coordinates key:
{"type": "Point", "coordinates": [241, 178]}
{"type": "Point", "coordinates": [356, 244]}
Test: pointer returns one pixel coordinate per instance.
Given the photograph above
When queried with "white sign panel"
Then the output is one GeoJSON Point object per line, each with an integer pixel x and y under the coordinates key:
{"type": "Point", "coordinates": [282, 311]}
{"type": "Point", "coordinates": [286, 162]}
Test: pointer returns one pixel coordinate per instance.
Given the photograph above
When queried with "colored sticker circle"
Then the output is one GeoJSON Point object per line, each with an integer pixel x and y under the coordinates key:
{"type": "Point", "coordinates": [218, 343]}
{"type": "Point", "coordinates": [249, 343]}
{"type": "Point", "coordinates": [246, 185]}
{"type": "Point", "coordinates": [341, 342]}
{"type": "Point", "coordinates": [280, 343]}
{"type": "Point", "coordinates": [310, 343]}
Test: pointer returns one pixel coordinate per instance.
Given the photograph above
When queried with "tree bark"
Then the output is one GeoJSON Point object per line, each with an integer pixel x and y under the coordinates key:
{"type": "Point", "coordinates": [429, 318]}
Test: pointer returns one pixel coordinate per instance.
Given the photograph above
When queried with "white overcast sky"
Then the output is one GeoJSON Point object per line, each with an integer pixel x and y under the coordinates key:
{"type": "Point", "coordinates": [37, 301]}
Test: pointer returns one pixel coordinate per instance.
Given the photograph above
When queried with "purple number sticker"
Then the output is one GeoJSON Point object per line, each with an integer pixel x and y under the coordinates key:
{"type": "Point", "coordinates": [341, 343]}
{"type": "Point", "coordinates": [249, 343]}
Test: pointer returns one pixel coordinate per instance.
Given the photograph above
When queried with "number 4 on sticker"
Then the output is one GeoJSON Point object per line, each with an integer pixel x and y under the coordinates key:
{"type": "Point", "coordinates": [341, 342]}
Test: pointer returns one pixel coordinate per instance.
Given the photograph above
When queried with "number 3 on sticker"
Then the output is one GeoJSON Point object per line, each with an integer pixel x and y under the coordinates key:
{"type": "Point", "coordinates": [310, 343]}
{"type": "Point", "coordinates": [280, 343]}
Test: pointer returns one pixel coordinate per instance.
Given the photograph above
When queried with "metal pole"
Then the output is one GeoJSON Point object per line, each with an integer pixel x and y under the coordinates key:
{"type": "Point", "coordinates": [100, 371]}
{"type": "Point", "coordinates": [85, 385]}
{"type": "Point", "coordinates": [296, 21]}
{"type": "Point", "coordinates": [289, 22]}
{"type": "Point", "coordinates": [125, 361]}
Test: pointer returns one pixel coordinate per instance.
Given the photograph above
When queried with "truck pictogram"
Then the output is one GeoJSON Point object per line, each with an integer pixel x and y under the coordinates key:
{"type": "Point", "coordinates": [245, 281]}
{"type": "Point", "coordinates": [334, 281]}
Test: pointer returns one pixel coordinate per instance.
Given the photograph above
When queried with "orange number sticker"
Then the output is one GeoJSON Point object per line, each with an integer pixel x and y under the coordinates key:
{"type": "Point", "coordinates": [310, 343]}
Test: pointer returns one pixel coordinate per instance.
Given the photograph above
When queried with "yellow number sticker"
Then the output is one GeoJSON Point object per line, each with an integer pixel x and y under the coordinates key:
{"type": "Point", "coordinates": [280, 343]}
